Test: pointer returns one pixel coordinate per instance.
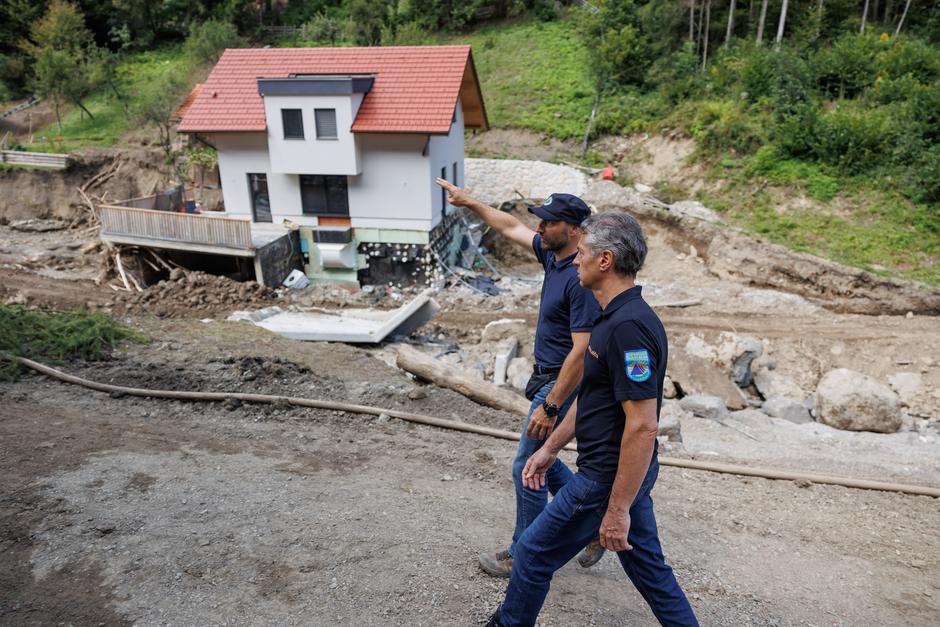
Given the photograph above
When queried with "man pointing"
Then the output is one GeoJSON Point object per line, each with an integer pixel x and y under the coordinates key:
{"type": "Point", "coordinates": [566, 314]}
{"type": "Point", "coordinates": [615, 420]}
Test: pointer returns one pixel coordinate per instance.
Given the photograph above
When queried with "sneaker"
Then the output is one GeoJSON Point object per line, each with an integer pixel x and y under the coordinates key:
{"type": "Point", "coordinates": [591, 554]}
{"type": "Point", "coordinates": [497, 564]}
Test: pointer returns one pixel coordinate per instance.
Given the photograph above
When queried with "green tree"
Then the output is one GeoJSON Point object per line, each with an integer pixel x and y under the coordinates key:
{"type": "Point", "coordinates": [63, 56]}
{"type": "Point", "coordinates": [157, 106]}
{"type": "Point", "coordinates": [367, 18]}
{"type": "Point", "coordinates": [208, 40]}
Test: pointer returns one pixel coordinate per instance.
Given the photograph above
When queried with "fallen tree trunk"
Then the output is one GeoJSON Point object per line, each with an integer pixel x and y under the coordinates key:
{"type": "Point", "coordinates": [444, 375]}
{"type": "Point", "coordinates": [768, 473]}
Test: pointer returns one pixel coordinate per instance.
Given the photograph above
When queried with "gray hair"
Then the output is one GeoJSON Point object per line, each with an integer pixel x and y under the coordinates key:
{"type": "Point", "coordinates": [622, 235]}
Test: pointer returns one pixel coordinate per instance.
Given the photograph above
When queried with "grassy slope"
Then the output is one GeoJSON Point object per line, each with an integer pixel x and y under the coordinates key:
{"type": "Point", "coordinates": [535, 76]}
{"type": "Point", "coordinates": [111, 122]}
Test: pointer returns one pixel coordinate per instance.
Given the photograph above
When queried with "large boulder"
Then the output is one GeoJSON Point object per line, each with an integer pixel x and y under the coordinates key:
{"type": "Point", "coordinates": [705, 406]}
{"type": "Point", "coordinates": [694, 374]}
{"type": "Point", "coordinates": [853, 401]}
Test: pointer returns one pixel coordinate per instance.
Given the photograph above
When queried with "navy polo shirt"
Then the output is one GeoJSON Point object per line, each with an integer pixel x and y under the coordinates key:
{"type": "Point", "coordinates": [625, 361]}
{"type": "Point", "coordinates": [564, 307]}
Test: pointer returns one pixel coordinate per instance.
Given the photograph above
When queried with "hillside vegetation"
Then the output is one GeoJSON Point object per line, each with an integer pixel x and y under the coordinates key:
{"type": "Point", "coordinates": [816, 122]}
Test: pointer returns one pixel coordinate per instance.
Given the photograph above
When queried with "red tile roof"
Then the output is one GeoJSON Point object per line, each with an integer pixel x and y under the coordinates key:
{"type": "Point", "coordinates": [187, 102]}
{"type": "Point", "coordinates": [415, 88]}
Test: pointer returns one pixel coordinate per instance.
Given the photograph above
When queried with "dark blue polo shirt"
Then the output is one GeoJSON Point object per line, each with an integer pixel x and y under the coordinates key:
{"type": "Point", "coordinates": [625, 361]}
{"type": "Point", "coordinates": [564, 307]}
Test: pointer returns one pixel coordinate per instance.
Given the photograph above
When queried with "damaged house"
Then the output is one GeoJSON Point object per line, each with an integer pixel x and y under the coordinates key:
{"type": "Point", "coordinates": [346, 143]}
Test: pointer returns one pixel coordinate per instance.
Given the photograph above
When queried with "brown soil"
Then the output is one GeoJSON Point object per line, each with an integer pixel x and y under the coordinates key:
{"type": "Point", "coordinates": [129, 510]}
{"type": "Point", "coordinates": [132, 510]}
{"type": "Point", "coordinates": [35, 193]}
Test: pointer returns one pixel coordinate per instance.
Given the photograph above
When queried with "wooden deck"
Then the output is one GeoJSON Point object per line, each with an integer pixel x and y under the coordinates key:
{"type": "Point", "coordinates": [181, 231]}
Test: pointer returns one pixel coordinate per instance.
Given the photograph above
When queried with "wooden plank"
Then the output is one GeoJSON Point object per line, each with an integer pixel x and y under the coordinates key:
{"type": "Point", "coordinates": [175, 227]}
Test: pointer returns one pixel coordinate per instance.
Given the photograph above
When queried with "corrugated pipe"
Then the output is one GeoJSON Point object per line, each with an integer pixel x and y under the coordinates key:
{"type": "Point", "coordinates": [765, 473]}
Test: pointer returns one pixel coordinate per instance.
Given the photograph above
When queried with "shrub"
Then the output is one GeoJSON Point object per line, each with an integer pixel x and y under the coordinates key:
{"type": "Point", "coordinates": [208, 40]}
{"type": "Point", "coordinates": [909, 57]}
{"type": "Point", "coordinates": [323, 28]}
{"type": "Point", "coordinates": [853, 141]}
{"type": "Point", "coordinates": [56, 336]}
{"type": "Point", "coordinates": [768, 161]}
{"type": "Point", "coordinates": [795, 130]}
{"type": "Point", "coordinates": [847, 67]}
{"type": "Point", "coordinates": [726, 125]}
{"type": "Point", "coordinates": [924, 177]}
{"type": "Point", "coordinates": [545, 10]}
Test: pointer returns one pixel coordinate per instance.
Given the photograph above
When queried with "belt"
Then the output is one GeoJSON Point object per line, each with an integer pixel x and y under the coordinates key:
{"type": "Point", "coordinates": [537, 369]}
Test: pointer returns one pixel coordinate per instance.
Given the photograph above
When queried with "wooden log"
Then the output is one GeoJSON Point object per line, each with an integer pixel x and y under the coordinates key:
{"type": "Point", "coordinates": [427, 368]}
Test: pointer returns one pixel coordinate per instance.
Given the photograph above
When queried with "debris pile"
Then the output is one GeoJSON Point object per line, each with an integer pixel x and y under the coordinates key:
{"type": "Point", "coordinates": [195, 294]}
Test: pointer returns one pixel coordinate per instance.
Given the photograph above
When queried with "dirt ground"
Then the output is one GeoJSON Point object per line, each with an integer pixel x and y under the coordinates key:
{"type": "Point", "coordinates": [128, 510]}
{"type": "Point", "coordinates": [125, 510]}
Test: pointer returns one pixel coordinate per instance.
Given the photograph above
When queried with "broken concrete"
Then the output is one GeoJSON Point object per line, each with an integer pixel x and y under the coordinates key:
{"type": "Point", "coordinates": [367, 326]}
{"type": "Point", "coordinates": [695, 375]}
{"type": "Point", "coordinates": [705, 406]}
{"type": "Point", "coordinates": [505, 352]}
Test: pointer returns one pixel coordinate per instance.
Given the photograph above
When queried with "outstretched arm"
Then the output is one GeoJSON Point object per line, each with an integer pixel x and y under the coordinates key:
{"type": "Point", "coordinates": [505, 224]}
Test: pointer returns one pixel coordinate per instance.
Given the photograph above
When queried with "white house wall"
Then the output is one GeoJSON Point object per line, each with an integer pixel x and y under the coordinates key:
{"type": "Point", "coordinates": [311, 155]}
{"type": "Point", "coordinates": [443, 152]}
{"type": "Point", "coordinates": [392, 191]}
{"type": "Point", "coordinates": [395, 189]}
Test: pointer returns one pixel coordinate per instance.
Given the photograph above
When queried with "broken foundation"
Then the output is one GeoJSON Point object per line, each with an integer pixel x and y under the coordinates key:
{"type": "Point", "coordinates": [327, 254]}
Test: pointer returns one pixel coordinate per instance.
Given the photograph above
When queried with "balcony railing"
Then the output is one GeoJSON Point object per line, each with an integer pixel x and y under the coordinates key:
{"type": "Point", "coordinates": [170, 226]}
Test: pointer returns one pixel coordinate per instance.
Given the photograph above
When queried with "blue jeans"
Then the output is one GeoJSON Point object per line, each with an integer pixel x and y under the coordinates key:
{"type": "Point", "coordinates": [530, 503]}
{"type": "Point", "coordinates": [567, 524]}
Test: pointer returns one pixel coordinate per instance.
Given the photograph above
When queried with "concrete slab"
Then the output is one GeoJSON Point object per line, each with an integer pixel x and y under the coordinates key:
{"type": "Point", "coordinates": [357, 326]}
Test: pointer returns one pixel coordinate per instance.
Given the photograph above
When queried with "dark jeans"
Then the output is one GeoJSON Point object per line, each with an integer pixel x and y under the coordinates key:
{"type": "Point", "coordinates": [566, 526]}
{"type": "Point", "coordinates": [530, 503]}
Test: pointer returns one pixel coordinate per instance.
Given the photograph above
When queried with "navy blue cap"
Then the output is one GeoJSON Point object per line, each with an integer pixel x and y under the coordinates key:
{"type": "Point", "coordinates": [563, 208]}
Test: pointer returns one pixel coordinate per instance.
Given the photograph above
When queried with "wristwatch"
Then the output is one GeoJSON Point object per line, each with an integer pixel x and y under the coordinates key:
{"type": "Point", "coordinates": [551, 409]}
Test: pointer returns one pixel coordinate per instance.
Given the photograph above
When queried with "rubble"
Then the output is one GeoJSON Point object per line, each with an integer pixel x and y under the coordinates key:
{"type": "Point", "coordinates": [187, 294]}
{"type": "Point", "coordinates": [853, 401]}
{"type": "Point", "coordinates": [772, 384]}
{"type": "Point", "coordinates": [787, 409]}
{"type": "Point", "coordinates": [670, 416]}
{"type": "Point", "coordinates": [498, 330]}
{"type": "Point", "coordinates": [705, 406]}
{"type": "Point", "coordinates": [696, 375]}
{"type": "Point", "coordinates": [505, 352]}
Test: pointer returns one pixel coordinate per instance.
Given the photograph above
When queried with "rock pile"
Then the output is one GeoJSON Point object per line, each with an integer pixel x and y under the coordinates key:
{"type": "Point", "coordinates": [194, 295]}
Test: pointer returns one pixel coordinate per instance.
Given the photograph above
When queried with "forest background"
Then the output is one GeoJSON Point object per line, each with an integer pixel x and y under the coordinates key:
{"type": "Point", "coordinates": [835, 103]}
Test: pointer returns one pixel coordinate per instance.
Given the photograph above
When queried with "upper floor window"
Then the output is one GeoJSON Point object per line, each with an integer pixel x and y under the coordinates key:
{"type": "Point", "coordinates": [293, 123]}
{"type": "Point", "coordinates": [326, 123]}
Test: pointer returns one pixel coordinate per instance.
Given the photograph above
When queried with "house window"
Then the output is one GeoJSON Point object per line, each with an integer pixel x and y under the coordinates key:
{"type": "Point", "coordinates": [454, 181]}
{"type": "Point", "coordinates": [293, 123]}
{"type": "Point", "coordinates": [444, 191]}
{"type": "Point", "coordinates": [260, 203]}
{"type": "Point", "coordinates": [326, 123]}
{"type": "Point", "coordinates": [324, 195]}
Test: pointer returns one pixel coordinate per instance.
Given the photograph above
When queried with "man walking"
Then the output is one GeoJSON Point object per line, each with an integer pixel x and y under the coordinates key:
{"type": "Point", "coordinates": [615, 419]}
{"type": "Point", "coordinates": [566, 313]}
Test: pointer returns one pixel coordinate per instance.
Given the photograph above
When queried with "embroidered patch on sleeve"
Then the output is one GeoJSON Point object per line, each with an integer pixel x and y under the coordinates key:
{"type": "Point", "coordinates": [638, 365]}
